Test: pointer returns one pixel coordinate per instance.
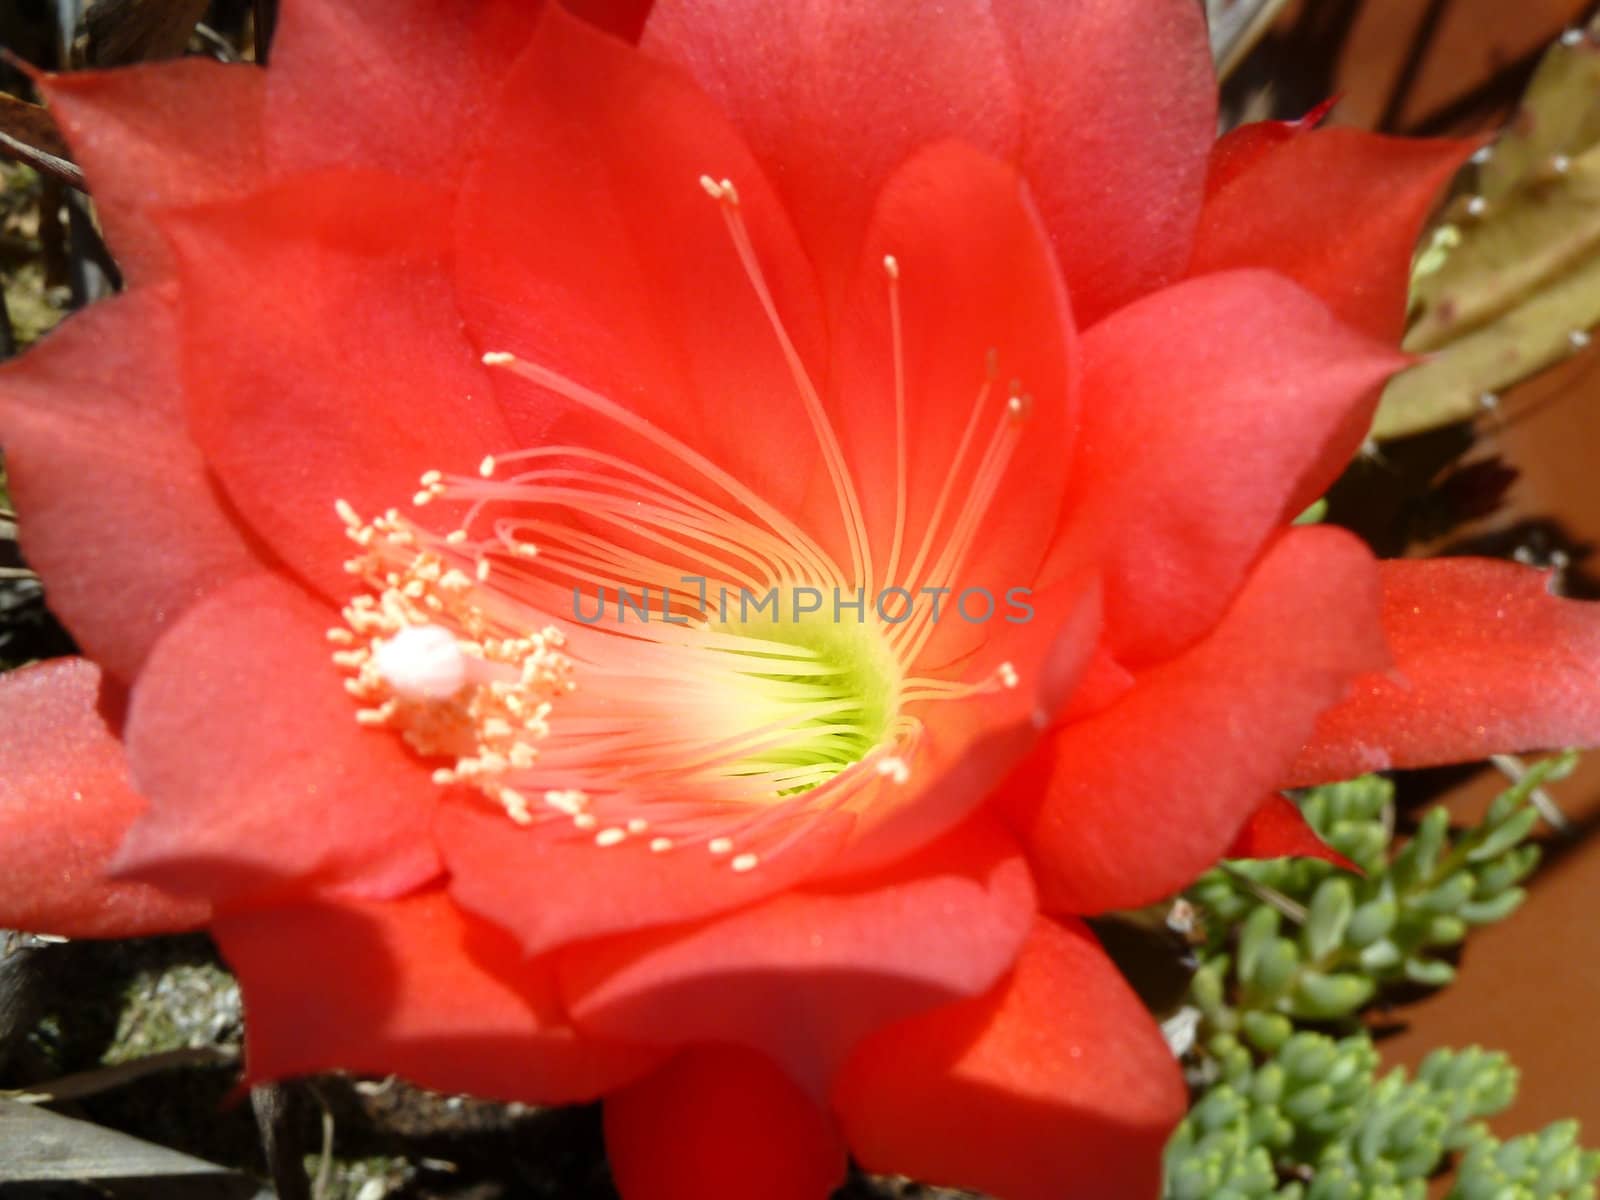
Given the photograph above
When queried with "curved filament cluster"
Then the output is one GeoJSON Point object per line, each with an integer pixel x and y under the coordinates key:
{"type": "Point", "coordinates": [580, 646]}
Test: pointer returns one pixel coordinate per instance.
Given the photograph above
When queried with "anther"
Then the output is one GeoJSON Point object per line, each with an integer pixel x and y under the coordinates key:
{"type": "Point", "coordinates": [720, 189]}
{"type": "Point", "coordinates": [720, 845]}
{"type": "Point", "coordinates": [516, 806]}
{"type": "Point", "coordinates": [486, 467]}
{"type": "Point", "coordinates": [660, 845]}
{"type": "Point", "coordinates": [497, 358]}
{"type": "Point", "coordinates": [744, 862]}
{"type": "Point", "coordinates": [567, 802]}
{"type": "Point", "coordinates": [610, 837]}
{"type": "Point", "coordinates": [891, 266]}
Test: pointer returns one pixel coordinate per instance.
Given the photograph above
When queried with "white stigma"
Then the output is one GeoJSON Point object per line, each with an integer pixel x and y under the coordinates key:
{"type": "Point", "coordinates": [894, 767]}
{"type": "Point", "coordinates": [422, 662]}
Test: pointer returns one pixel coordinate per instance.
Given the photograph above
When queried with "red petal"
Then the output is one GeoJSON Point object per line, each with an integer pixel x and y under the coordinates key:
{"type": "Point", "coordinates": [1338, 212]}
{"type": "Point", "coordinates": [620, 18]}
{"type": "Point", "coordinates": [833, 97]}
{"type": "Point", "coordinates": [804, 976]}
{"type": "Point", "coordinates": [65, 802]}
{"type": "Point", "coordinates": [1176, 490]}
{"type": "Point", "coordinates": [118, 513]}
{"type": "Point", "coordinates": [1130, 805]}
{"type": "Point", "coordinates": [242, 736]}
{"type": "Point", "coordinates": [1103, 682]}
{"type": "Point", "coordinates": [1276, 829]}
{"type": "Point", "coordinates": [1242, 148]}
{"type": "Point", "coordinates": [410, 987]}
{"type": "Point", "coordinates": [403, 88]}
{"type": "Point", "coordinates": [551, 885]}
{"type": "Point", "coordinates": [1487, 661]}
{"type": "Point", "coordinates": [981, 304]}
{"type": "Point", "coordinates": [133, 131]}
{"type": "Point", "coordinates": [718, 1123]}
{"type": "Point", "coordinates": [628, 281]}
{"type": "Point", "coordinates": [348, 389]}
{"type": "Point", "coordinates": [1056, 1084]}
{"type": "Point", "coordinates": [1120, 109]}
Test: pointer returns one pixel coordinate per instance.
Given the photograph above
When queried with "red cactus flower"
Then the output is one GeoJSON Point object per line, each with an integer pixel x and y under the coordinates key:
{"type": "Point", "coordinates": [797, 301]}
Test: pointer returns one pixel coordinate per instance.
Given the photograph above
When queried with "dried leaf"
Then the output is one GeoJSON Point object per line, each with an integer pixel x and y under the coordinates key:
{"type": "Point", "coordinates": [28, 135]}
{"type": "Point", "coordinates": [1455, 385]}
{"type": "Point", "coordinates": [1558, 116]}
{"type": "Point", "coordinates": [1538, 234]}
{"type": "Point", "coordinates": [1511, 282]}
{"type": "Point", "coordinates": [103, 1079]}
{"type": "Point", "coordinates": [1236, 27]}
{"type": "Point", "coordinates": [130, 31]}
{"type": "Point", "coordinates": [281, 1140]}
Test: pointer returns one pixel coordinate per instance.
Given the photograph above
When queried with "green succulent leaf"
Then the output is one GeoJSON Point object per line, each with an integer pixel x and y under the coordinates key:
{"type": "Point", "coordinates": [1295, 1114]}
{"type": "Point", "coordinates": [1313, 1118]}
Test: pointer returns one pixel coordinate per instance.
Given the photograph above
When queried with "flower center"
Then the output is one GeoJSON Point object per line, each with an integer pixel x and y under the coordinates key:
{"type": "Point", "coordinates": [833, 686]}
{"type": "Point", "coordinates": [726, 727]}
{"type": "Point", "coordinates": [600, 648]}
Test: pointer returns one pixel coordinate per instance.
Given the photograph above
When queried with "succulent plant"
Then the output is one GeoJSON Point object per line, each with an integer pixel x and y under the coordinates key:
{"type": "Point", "coordinates": [1315, 1121]}
{"type": "Point", "coordinates": [1289, 1113]}
{"type": "Point", "coordinates": [1299, 939]}
{"type": "Point", "coordinates": [1532, 1167]}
